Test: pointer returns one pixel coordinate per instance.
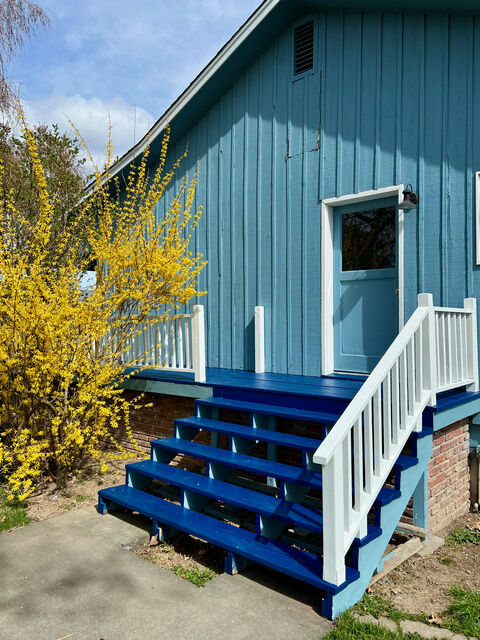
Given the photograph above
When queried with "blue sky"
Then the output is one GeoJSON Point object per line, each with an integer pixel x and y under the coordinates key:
{"type": "Point", "coordinates": [119, 57]}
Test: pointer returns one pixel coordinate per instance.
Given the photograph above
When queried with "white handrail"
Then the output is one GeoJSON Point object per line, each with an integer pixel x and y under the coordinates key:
{"type": "Point", "coordinates": [175, 343]}
{"type": "Point", "coordinates": [359, 452]}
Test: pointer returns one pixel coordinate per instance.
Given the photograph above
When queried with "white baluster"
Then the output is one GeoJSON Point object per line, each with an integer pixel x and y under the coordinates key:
{"type": "Point", "coordinates": [377, 434]}
{"type": "Point", "coordinates": [358, 464]}
{"type": "Point", "coordinates": [188, 320]}
{"type": "Point", "coordinates": [387, 416]}
{"type": "Point", "coordinates": [367, 429]}
{"type": "Point", "coordinates": [180, 343]}
{"type": "Point", "coordinates": [395, 404]}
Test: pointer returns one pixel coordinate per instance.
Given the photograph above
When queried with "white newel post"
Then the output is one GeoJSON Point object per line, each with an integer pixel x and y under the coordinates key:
{"type": "Point", "coordinates": [259, 340]}
{"type": "Point", "coordinates": [429, 348]}
{"type": "Point", "coordinates": [333, 519]}
{"type": "Point", "coordinates": [472, 342]}
{"type": "Point", "coordinates": [198, 342]}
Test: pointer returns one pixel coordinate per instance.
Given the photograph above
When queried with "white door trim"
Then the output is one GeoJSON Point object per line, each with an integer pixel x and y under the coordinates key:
{"type": "Point", "coordinates": [328, 205]}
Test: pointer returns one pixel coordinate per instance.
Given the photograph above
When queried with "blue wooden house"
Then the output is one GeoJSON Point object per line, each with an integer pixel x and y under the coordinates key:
{"type": "Point", "coordinates": [338, 146]}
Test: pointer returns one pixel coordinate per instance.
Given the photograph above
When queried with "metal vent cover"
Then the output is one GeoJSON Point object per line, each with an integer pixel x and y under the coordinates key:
{"type": "Point", "coordinates": [303, 35]}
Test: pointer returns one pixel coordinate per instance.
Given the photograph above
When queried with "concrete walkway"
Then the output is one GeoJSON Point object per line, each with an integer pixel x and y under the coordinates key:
{"type": "Point", "coordinates": [69, 577]}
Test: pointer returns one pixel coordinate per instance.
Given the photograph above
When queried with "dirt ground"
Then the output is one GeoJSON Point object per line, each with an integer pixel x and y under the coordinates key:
{"type": "Point", "coordinates": [420, 585]}
{"type": "Point", "coordinates": [80, 492]}
{"type": "Point", "coordinates": [186, 552]}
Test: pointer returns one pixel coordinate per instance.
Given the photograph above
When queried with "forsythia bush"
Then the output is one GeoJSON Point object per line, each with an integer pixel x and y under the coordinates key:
{"type": "Point", "coordinates": [61, 351]}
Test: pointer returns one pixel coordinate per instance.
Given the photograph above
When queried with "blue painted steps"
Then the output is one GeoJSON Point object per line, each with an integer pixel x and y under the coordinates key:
{"type": "Point", "coordinates": [285, 502]}
{"type": "Point", "coordinates": [263, 504]}
{"type": "Point", "coordinates": [275, 555]}
{"type": "Point", "coordinates": [297, 475]}
{"type": "Point", "coordinates": [277, 410]}
{"type": "Point", "coordinates": [242, 431]}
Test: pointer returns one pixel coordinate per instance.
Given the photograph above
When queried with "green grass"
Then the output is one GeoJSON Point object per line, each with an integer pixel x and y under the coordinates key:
{"type": "Point", "coordinates": [198, 577]}
{"type": "Point", "coordinates": [446, 560]}
{"type": "Point", "coordinates": [460, 537]}
{"type": "Point", "coordinates": [463, 615]}
{"type": "Point", "coordinates": [377, 606]}
{"type": "Point", "coordinates": [347, 628]}
{"type": "Point", "coordinates": [13, 513]}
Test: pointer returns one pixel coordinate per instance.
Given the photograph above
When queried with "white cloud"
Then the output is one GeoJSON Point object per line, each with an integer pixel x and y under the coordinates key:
{"type": "Point", "coordinates": [146, 52]}
{"type": "Point", "coordinates": [90, 116]}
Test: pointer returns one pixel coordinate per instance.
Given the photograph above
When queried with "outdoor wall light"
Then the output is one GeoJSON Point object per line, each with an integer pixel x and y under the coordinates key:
{"type": "Point", "coordinates": [410, 199]}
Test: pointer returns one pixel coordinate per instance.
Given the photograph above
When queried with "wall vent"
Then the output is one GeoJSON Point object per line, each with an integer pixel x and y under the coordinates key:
{"type": "Point", "coordinates": [304, 47]}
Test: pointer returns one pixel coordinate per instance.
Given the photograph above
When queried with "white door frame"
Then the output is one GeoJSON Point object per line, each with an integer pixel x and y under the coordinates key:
{"type": "Point", "coordinates": [328, 205]}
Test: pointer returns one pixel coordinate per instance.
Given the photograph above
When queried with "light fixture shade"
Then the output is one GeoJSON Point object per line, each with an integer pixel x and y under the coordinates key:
{"type": "Point", "coordinates": [410, 199]}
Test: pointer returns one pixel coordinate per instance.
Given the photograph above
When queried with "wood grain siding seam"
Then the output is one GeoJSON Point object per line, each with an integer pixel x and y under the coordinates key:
{"type": "Point", "coordinates": [444, 198]}
{"type": "Point", "coordinates": [469, 174]}
{"type": "Point", "coordinates": [421, 169]}
{"type": "Point", "coordinates": [341, 63]}
{"type": "Point", "coordinates": [378, 102]}
{"type": "Point", "coordinates": [358, 109]}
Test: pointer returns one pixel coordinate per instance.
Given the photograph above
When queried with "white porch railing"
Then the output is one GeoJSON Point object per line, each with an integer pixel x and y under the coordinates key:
{"type": "Point", "coordinates": [435, 350]}
{"type": "Point", "coordinates": [175, 343]}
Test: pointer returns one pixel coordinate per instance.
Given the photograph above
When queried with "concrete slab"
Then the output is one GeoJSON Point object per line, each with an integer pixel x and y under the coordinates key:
{"type": "Point", "coordinates": [69, 577]}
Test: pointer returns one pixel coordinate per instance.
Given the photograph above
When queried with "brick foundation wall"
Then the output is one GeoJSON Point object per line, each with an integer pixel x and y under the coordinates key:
{"type": "Point", "coordinates": [156, 421]}
{"type": "Point", "coordinates": [448, 476]}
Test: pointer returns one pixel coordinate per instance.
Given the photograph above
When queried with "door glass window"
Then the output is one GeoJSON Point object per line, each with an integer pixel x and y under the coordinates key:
{"type": "Point", "coordinates": [368, 239]}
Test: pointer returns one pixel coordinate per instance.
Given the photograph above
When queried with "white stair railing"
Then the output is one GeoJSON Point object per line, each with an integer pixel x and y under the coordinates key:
{"type": "Point", "coordinates": [175, 343]}
{"type": "Point", "coordinates": [359, 452]}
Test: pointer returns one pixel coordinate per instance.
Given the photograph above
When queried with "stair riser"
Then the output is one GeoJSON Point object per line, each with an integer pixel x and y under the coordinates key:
{"type": "Point", "coordinates": [258, 431]}
{"type": "Point", "coordinates": [308, 403]}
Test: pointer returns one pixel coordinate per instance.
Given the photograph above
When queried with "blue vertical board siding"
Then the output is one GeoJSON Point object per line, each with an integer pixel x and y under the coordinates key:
{"type": "Point", "coordinates": [225, 227]}
{"type": "Point", "coordinates": [409, 143]}
{"type": "Point", "coordinates": [250, 213]}
{"type": "Point", "coordinates": [368, 99]}
{"type": "Point", "coordinates": [436, 66]}
{"type": "Point", "coordinates": [264, 196]}
{"type": "Point", "coordinates": [279, 198]}
{"type": "Point", "coordinates": [392, 99]}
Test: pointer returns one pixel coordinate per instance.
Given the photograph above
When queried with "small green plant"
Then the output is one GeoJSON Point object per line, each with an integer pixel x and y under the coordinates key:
{"type": "Point", "coordinates": [347, 628]}
{"type": "Point", "coordinates": [446, 560]}
{"type": "Point", "coordinates": [198, 577]}
{"type": "Point", "coordinates": [460, 537]}
{"type": "Point", "coordinates": [463, 615]}
{"type": "Point", "coordinates": [13, 513]}
{"type": "Point", "coordinates": [377, 606]}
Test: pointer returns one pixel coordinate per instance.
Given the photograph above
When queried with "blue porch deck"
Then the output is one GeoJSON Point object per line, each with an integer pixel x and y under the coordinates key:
{"type": "Point", "coordinates": [451, 406]}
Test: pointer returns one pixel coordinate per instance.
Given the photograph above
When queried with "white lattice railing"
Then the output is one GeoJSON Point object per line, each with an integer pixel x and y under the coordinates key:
{"type": "Point", "coordinates": [175, 343]}
{"type": "Point", "coordinates": [435, 350]}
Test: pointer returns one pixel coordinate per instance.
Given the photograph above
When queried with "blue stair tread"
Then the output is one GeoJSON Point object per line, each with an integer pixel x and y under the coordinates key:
{"type": "Point", "coordinates": [405, 462]}
{"type": "Point", "coordinates": [275, 555]}
{"type": "Point", "coordinates": [241, 461]}
{"type": "Point", "coordinates": [387, 495]}
{"type": "Point", "coordinates": [261, 503]}
{"type": "Point", "coordinates": [265, 435]}
{"type": "Point", "coordinates": [270, 409]}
